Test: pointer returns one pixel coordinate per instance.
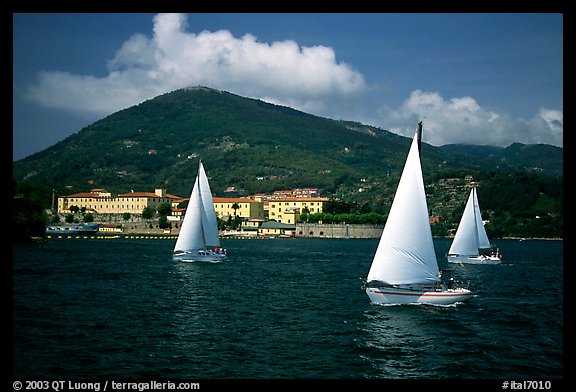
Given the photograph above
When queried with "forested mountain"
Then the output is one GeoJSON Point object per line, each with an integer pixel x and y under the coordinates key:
{"type": "Point", "coordinates": [539, 158]}
{"type": "Point", "coordinates": [250, 146]}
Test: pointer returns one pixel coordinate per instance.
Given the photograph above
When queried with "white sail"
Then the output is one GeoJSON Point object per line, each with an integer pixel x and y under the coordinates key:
{"type": "Point", "coordinates": [466, 239]}
{"type": "Point", "coordinates": [483, 242]}
{"type": "Point", "coordinates": [471, 234]}
{"type": "Point", "coordinates": [209, 222]}
{"type": "Point", "coordinates": [191, 235]}
{"type": "Point", "coordinates": [405, 253]}
{"type": "Point", "coordinates": [199, 230]}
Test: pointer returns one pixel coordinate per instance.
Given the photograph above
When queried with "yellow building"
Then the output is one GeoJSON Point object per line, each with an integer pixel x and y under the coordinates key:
{"type": "Point", "coordinates": [288, 210]}
{"type": "Point", "coordinates": [102, 202]}
{"type": "Point", "coordinates": [246, 208]}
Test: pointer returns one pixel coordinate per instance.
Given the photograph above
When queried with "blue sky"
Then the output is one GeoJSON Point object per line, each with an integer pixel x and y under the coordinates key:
{"type": "Point", "coordinates": [480, 78]}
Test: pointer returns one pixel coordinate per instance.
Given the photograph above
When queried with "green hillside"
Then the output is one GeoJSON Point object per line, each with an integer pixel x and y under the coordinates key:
{"type": "Point", "coordinates": [257, 147]}
{"type": "Point", "coordinates": [245, 143]}
{"type": "Point", "coordinates": [538, 158]}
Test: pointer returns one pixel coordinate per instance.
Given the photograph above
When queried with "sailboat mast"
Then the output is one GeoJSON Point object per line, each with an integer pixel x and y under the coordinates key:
{"type": "Point", "coordinates": [419, 132]}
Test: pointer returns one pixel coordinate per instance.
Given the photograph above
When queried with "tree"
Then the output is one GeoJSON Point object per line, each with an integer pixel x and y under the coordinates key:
{"type": "Point", "coordinates": [147, 213]}
{"type": "Point", "coordinates": [28, 216]}
{"type": "Point", "coordinates": [164, 209]}
{"type": "Point", "coordinates": [163, 222]}
{"type": "Point", "coordinates": [126, 216]}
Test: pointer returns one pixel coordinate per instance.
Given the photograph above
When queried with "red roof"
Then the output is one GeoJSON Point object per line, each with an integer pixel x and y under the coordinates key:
{"type": "Point", "coordinates": [86, 194]}
{"type": "Point", "coordinates": [147, 194]}
{"type": "Point", "coordinates": [233, 200]}
{"type": "Point", "coordinates": [129, 194]}
{"type": "Point", "coordinates": [302, 199]}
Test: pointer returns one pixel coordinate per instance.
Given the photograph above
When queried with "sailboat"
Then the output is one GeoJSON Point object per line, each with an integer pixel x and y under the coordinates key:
{"type": "Point", "coordinates": [471, 244]}
{"type": "Point", "coordinates": [198, 238]}
{"type": "Point", "coordinates": [404, 269]}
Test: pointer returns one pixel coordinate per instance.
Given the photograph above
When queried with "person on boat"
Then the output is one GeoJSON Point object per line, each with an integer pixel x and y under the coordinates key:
{"type": "Point", "coordinates": [451, 283]}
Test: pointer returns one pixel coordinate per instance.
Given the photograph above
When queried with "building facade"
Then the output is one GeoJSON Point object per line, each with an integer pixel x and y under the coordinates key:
{"type": "Point", "coordinates": [288, 210]}
{"type": "Point", "coordinates": [101, 202]}
{"type": "Point", "coordinates": [245, 208]}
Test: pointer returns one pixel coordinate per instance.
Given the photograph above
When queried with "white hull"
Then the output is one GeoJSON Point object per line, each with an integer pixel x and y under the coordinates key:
{"type": "Point", "coordinates": [481, 259]}
{"type": "Point", "coordinates": [391, 295]}
{"type": "Point", "coordinates": [199, 256]}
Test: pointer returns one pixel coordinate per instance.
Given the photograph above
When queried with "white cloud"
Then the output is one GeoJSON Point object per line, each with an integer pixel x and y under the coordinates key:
{"type": "Point", "coordinates": [306, 78]}
{"type": "Point", "coordinates": [463, 120]}
{"type": "Point", "coordinates": [173, 58]}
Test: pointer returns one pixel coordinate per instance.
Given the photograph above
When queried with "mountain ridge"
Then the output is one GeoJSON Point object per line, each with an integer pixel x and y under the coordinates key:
{"type": "Point", "coordinates": [251, 145]}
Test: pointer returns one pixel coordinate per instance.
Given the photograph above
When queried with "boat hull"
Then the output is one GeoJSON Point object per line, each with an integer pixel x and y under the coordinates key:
{"type": "Point", "coordinates": [192, 257]}
{"type": "Point", "coordinates": [481, 259]}
{"type": "Point", "coordinates": [70, 228]}
{"type": "Point", "coordinates": [391, 295]}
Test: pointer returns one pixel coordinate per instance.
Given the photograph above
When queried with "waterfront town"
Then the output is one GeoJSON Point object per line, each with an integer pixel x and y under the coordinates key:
{"type": "Point", "coordinates": [261, 215]}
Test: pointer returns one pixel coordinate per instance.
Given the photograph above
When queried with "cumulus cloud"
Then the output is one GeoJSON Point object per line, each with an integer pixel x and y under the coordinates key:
{"type": "Point", "coordinates": [463, 120]}
{"type": "Point", "coordinates": [306, 78]}
{"type": "Point", "coordinates": [173, 58]}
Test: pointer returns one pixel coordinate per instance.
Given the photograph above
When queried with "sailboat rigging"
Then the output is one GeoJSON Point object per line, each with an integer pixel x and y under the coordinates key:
{"type": "Point", "coordinates": [198, 238]}
{"type": "Point", "coordinates": [471, 244]}
{"type": "Point", "coordinates": [404, 269]}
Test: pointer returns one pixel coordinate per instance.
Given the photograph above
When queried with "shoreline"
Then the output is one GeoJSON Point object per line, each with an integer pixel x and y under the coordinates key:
{"type": "Point", "coordinates": [149, 235]}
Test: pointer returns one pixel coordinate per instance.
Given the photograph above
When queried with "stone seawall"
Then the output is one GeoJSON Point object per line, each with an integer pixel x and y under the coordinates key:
{"type": "Point", "coordinates": [338, 230]}
{"type": "Point", "coordinates": [137, 225]}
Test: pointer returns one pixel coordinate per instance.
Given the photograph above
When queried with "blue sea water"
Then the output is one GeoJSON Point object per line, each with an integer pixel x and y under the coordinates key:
{"type": "Point", "coordinates": [276, 309]}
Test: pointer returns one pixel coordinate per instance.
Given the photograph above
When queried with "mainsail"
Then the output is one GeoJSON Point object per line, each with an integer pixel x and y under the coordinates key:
{"type": "Point", "coordinates": [209, 224]}
{"type": "Point", "coordinates": [483, 242]}
{"type": "Point", "coordinates": [405, 253]}
{"type": "Point", "coordinates": [191, 235]}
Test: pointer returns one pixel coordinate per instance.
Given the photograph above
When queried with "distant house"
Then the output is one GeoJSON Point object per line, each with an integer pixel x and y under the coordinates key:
{"type": "Point", "coordinates": [276, 229]}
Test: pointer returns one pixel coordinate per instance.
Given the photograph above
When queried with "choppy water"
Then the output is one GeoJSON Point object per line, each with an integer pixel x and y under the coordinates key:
{"type": "Point", "coordinates": [276, 309]}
